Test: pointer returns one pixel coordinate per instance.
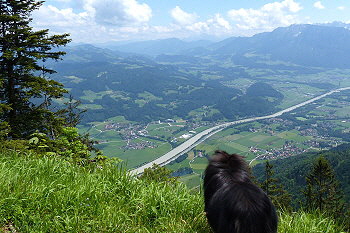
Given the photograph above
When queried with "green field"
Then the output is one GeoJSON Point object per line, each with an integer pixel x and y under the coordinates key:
{"type": "Point", "coordinates": [191, 181]}
{"type": "Point", "coordinates": [250, 140]}
{"type": "Point", "coordinates": [91, 96]}
{"type": "Point", "coordinates": [133, 158]}
{"type": "Point", "coordinates": [199, 164]}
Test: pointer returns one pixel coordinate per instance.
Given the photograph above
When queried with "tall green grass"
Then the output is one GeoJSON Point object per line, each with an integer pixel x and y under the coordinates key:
{"type": "Point", "coordinates": [52, 195]}
{"type": "Point", "coordinates": [301, 222]}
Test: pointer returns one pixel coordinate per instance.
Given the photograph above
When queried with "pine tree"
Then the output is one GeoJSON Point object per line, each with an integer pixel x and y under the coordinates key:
{"type": "Point", "coordinates": [23, 77]}
{"type": "Point", "coordinates": [322, 190]}
{"type": "Point", "coordinates": [279, 197]}
{"type": "Point", "coordinates": [72, 114]}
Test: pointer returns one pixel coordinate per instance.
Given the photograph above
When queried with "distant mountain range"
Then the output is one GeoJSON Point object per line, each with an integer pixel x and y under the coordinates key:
{"type": "Point", "coordinates": [160, 79]}
{"type": "Point", "coordinates": [307, 45]}
{"type": "Point", "coordinates": [157, 47]}
{"type": "Point", "coordinates": [326, 45]}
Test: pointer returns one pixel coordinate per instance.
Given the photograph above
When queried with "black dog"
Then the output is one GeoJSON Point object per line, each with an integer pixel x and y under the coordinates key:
{"type": "Point", "coordinates": [234, 204]}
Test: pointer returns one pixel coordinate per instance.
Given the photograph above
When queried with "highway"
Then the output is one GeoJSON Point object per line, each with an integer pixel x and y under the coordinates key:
{"type": "Point", "coordinates": [200, 137]}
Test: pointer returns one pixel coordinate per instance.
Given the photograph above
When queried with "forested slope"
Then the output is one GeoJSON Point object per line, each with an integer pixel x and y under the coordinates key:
{"type": "Point", "coordinates": [291, 172]}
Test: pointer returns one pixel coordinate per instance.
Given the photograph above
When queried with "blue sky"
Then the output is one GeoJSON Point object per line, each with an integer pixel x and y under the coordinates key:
{"type": "Point", "coordinates": [98, 21]}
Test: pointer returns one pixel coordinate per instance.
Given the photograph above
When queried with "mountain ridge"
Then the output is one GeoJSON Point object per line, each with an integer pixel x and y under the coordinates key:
{"type": "Point", "coordinates": [325, 45]}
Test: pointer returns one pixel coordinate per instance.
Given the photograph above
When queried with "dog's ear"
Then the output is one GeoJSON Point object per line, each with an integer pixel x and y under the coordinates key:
{"type": "Point", "coordinates": [232, 162]}
{"type": "Point", "coordinates": [220, 156]}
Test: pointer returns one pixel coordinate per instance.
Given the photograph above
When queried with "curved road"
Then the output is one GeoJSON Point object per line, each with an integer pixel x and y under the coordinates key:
{"type": "Point", "coordinates": [200, 137]}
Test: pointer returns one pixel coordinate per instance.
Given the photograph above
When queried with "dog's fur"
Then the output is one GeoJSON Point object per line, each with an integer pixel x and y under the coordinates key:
{"type": "Point", "coordinates": [234, 204]}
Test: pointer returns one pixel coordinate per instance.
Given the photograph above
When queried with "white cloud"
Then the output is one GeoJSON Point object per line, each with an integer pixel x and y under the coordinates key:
{"type": "Point", "coordinates": [50, 15]}
{"type": "Point", "coordinates": [221, 22]}
{"type": "Point", "coordinates": [97, 20]}
{"type": "Point", "coordinates": [341, 8]}
{"type": "Point", "coordinates": [284, 6]}
{"type": "Point", "coordinates": [216, 26]}
{"type": "Point", "coordinates": [181, 17]}
{"type": "Point", "coordinates": [319, 5]}
{"type": "Point", "coordinates": [104, 12]}
{"type": "Point", "coordinates": [93, 21]}
{"type": "Point", "coordinates": [268, 17]}
{"type": "Point", "coordinates": [118, 12]}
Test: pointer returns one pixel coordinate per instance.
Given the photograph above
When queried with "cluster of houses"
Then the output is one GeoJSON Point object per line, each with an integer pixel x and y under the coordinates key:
{"type": "Point", "coordinates": [309, 132]}
{"type": "Point", "coordinates": [127, 131]}
{"type": "Point", "coordinates": [130, 132]}
{"type": "Point", "coordinates": [285, 151]}
{"type": "Point", "coordinates": [139, 145]}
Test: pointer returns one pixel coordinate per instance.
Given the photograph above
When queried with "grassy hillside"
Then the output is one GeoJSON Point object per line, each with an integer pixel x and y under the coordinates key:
{"type": "Point", "coordinates": [51, 195]}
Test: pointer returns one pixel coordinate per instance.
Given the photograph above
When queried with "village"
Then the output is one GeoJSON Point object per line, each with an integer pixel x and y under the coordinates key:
{"type": "Point", "coordinates": [138, 136]}
{"type": "Point", "coordinates": [319, 134]}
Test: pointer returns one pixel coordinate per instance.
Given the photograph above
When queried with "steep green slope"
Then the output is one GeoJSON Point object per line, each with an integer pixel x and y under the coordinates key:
{"type": "Point", "coordinates": [51, 195]}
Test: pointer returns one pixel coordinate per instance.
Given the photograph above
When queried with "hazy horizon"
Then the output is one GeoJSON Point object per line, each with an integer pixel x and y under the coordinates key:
{"type": "Point", "coordinates": [92, 21]}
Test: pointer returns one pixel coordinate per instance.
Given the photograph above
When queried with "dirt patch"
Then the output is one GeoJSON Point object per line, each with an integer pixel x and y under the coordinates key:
{"type": "Point", "coordinates": [8, 228]}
